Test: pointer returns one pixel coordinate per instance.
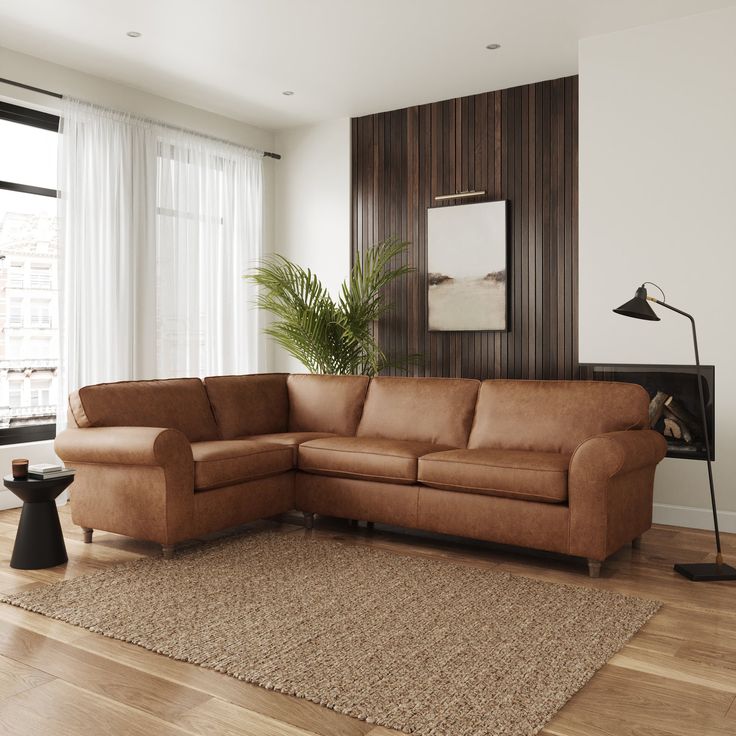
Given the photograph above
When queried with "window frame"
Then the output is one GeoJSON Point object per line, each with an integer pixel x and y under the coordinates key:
{"type": "Point", "coordinates": [45, 121]}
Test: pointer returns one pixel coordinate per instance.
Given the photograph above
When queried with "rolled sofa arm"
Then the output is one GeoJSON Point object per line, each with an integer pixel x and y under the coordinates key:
{"type": "Point", "coordinates": [122, 445]}
{"type": "Point", "coordinates": [137, 481]}
{"type": "Point", "coordinates": [607, 455]}
{"type": "Point", "coordinates": [610, 490]}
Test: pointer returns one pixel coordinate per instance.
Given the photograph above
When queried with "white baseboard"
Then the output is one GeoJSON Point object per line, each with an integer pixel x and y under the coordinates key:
{"type": "Point", "coordinates": [693, 518]}
{"type": "Point", "coordinates": [9, 500]}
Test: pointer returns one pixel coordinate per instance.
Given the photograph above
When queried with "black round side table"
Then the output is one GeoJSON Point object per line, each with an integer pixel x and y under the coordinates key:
{"type": "Point", "coordinates": [39, 542]}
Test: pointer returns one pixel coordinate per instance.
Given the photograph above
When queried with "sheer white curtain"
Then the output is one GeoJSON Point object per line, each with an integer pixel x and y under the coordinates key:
{"type": "Point", "coordinates": [208, 235]}
{"type": "Point", "coordinates": [107, 192]}
{"type": "Point", "coordinates": [156, 229]}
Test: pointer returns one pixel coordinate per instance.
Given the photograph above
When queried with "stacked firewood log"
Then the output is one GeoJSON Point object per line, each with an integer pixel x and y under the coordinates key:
{"type": "Point", "coordinates": [679, 423]}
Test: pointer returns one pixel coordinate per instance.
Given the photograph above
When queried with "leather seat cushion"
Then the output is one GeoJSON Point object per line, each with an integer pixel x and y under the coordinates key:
{"type": "Point", "coordinates": [290, 439]}
{"type": "Point", "coordinates": [368, 458]}
{"type": "Point", "coordinates": [227, 462]}
{"type": "Point", "coordinates": [522, 474]}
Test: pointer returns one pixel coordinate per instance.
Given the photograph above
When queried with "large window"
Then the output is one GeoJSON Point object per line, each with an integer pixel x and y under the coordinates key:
{"type": "Point", "coordinates": [29, 338]}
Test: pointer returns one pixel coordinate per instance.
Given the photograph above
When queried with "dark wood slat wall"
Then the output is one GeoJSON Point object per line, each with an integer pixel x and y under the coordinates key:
{"type": "Point", "coordinates": [519, 144]}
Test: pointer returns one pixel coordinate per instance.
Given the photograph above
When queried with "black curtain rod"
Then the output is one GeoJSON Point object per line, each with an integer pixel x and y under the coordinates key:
{"type": "Point", "coordinates": [266, 154]}
{"type": "Point", "coordinates": [33, 89]}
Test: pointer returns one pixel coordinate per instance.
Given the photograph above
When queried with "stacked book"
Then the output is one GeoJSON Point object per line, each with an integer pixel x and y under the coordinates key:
{"type": "Point", "coordinates": [46, 471]}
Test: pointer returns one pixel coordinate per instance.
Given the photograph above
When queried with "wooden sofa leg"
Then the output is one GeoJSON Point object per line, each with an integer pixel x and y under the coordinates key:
{"type": "Point", "coordinates": [594, 568]}
{"type": "Point", "coordinates": [168, 551]}
{"type": "Point", "coordinates": [636, 543]}
{"type": "Point", "coordinates": [87, 534]}
{"type": "Point", "coordinates": [308, 519]}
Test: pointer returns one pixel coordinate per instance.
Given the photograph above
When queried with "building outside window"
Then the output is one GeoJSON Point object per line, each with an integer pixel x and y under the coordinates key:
{"type": "Point", "coordinates": [16, 275]}
{"type": "Point", "coordinates": [15, 313]}
{"type": "Point", "coordinates": [40, 391]}
{"type": "Point", "coordinates": [16, 345]}
{"type": "Point", "coordinates": [39, 347]}
{"type": "Point", "coordinates": [40, 312]}
{"type": "Point", "coordinates": [29, 339]}
{"type": "Point", "coordinates": [41, 277]}
{"type": "Point", "coordinates": [15, 394]}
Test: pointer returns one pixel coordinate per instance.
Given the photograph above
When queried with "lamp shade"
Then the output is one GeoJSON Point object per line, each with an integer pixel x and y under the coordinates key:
{"type": "Point", "coordinates": [638, 307]}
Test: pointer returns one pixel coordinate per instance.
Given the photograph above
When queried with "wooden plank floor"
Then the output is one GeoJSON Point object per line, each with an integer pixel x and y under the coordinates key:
{"type": "Point", "coordinates": [676, 677]}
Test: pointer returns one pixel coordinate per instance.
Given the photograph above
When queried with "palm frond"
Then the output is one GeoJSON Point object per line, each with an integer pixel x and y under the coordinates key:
{"type": "Point", "coordinates": [330, 336]}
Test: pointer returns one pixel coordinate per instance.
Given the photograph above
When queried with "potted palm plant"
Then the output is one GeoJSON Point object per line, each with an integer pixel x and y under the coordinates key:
{"type": "Point", "coordinates": [331, 335]}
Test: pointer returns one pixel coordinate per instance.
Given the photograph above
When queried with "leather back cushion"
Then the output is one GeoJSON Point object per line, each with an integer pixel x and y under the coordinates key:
{"type": "Point", "coordinates": [177, 403]}
{"type": "Point", "coordinates": [246, 405]}
{"type": "Point", "coordinates": [438, 410]}
{"type": "Point", "coordinates": [326, 403]}
{"type": "Point", "coordinates": [554, 416]}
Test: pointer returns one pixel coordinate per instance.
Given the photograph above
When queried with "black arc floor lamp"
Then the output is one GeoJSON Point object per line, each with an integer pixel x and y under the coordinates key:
{"type": "Point", "coordinates": [639, 308]}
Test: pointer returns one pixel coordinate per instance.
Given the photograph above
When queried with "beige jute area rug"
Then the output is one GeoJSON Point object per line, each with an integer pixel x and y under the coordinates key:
{"type": "Point", "coordinates": [421, 645]}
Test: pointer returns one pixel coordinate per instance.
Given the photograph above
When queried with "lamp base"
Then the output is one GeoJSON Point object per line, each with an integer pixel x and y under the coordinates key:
{"type": "Point", "coordinates": [704, 572]}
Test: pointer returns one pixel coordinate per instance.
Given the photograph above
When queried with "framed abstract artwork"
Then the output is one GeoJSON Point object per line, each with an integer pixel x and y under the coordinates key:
{"type": "Point", "coordinates": [467, 277]}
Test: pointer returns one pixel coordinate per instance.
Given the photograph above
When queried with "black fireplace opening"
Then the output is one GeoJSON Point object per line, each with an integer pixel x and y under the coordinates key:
{"type": "Point", "coordinates": [674, 403]}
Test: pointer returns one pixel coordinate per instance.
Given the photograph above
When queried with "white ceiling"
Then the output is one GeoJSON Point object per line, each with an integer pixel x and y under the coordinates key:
{"type": "Point", "coordinates": [341, 57]}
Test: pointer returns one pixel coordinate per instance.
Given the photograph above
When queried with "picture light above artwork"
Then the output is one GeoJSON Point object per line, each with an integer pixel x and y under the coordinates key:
{"type": "Point", "coordinates": [459, 195]}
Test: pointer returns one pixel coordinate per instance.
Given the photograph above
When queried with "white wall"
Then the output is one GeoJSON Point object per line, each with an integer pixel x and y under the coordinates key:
{"type": "Point", "coordinates": [312, 206]}
{"type": "Point", "coordinates": [38, 73]}
{"type": "Point", "coordinates": [657, 203]}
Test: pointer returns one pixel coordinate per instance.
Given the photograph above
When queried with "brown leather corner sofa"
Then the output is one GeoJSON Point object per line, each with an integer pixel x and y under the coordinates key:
{"type": "Point", "coordinates": [562, 466]}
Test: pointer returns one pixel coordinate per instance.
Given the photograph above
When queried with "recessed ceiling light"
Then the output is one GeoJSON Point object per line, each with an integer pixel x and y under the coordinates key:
{"type": "Point", "coordinates": [493, 46]}
{"type": "Point", "coordinates": [287, 92]}
{"type": "Point", "coordinates": [134, 34]}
